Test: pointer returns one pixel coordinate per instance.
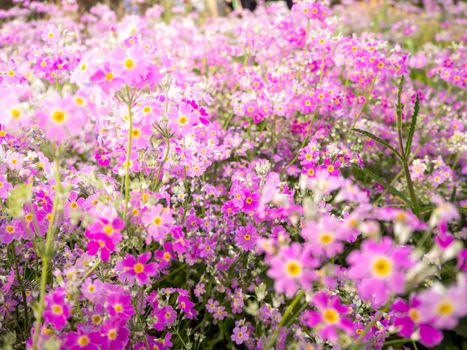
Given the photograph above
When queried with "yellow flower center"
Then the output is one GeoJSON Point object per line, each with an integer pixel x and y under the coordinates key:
{"type": "Point", "coordinates": [129, 63]}
{"type": "Point", "coordinates": [136, 133]}
{"type": "Point", "coordinates": [139, 268]}
{"type": "Point", "coordinates": [96, 319]}
{"type": "Point", "coordinates": [331, 316]}
{"type": "Point", "coordinates": [311, 172]}
{"type": "Point", "coordinates": [108, 230]}
{"type": "Point", "coordinates": [28, 217]}
{"type": "Point", "coordinates": [382, 267]}
{"type": "Point", "coordinates": [414, 315]}
{"type": "Point", "coordinates": [247, 237]}
{"type": "Point", "coordinates": [118, 307]}
{"type": "Point", "coordinates": [58, 116]}
{"type": "Point", "coordinates": [1, 184]}
{"type": "Point", "coordinates": [112, 334]}
{"type": "Point", "coordinates": [83, 340]}
{"type": "Point", "coordinates": [182, 120]}
{"type": "Point", "coordinates": [293, 268]}
{"type": "Point", "coordinates": [80, 101]}
{"type": "Point", "coordinates": [167, 256]}
{"type": "Point", "coordinates": [15, 113]}
{"type": "Point", "coordinates": [326, 238]}
{"type": "Point", "coordinates": [91, 288]}
{"type": "Point", "coordinates": [57, 309]}
{"type": "Point", "coordinates": [11, 73]}
{"type": "Point", "coordinates": [109, 76]}
{"type": "Point", "coordinates": [2, 133]}
{"type": "Point", "coordinates": [147, 109]}
{"type": "Point", "coordinates": [249, 200]}
{"type": "Point", "coordinates": [330, 168]}
{"type": "Point", "coordinates": [73, 205]}
{"type": "Point", "coordinates": [157, 220]}
{"type": "Point", "coordinates": [445, 308]}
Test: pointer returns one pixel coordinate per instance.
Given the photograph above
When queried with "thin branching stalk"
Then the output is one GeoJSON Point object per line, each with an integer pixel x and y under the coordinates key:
{"type": "Point", "coordinates": [47, 254]}
{"type": "Point", "coordinates": [128, 155]}
{"type": "Point", "coordinates": [287, 312]}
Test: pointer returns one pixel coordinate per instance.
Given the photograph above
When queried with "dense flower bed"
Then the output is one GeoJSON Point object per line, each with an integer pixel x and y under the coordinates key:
{"type": "Point", "coordinates": [267, 180]}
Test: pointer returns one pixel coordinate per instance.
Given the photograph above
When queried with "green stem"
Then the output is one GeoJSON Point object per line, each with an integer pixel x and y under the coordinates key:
{"type": "Point", "coordinates": [397, 341]}
{"type": "Point", "coordinates": [47, 255]}
{"type": "Point", "coordinates": [89, 271]}
{"type": "Point", "coordinates": [367, 97]}
{"type": "Point", "coordinates": [128, 156]}
{"type": "Point", "coordinates": [405, 165]}
{"type": "Point", "coordinates": [287, 312]}
{"type": "Point", "coordinates": [373, 321]}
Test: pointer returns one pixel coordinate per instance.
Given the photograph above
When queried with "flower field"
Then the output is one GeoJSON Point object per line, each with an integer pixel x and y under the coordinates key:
{"type": "Point", "coordinates": [277, 179]}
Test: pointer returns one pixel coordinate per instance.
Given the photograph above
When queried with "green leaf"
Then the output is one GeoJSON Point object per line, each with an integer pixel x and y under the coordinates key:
{"type": "Point", "coordinates": [18, 197]}
{"type": "Point", "coordinates": [383, 182]}
{"type": "Point", "coordinates": [379, 140]}
{"type": "Point", "coordinates": [413, 124]}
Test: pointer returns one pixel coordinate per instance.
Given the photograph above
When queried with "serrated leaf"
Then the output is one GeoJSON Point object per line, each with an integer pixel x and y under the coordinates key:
{"type": "Point", "coordinates": [413, 124]}
{"type": "Point", "coordinates": [379, 140]}
{"type": "Point", "coordinates": [384, 183]}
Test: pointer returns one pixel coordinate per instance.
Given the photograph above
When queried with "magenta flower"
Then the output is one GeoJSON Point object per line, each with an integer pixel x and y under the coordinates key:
{"type": "Point", "coordinates": [379, 269]}
{"type": "Point", "coordinates": [115, 335]}
{"type": "Point", "coordinates": [291, 269]}
{"type": "Point", "coordinates": [137, 269]}
{"type": "Point", "coordinates": [163, 317]}
{"type": "Point", "coordinates": [246, 237]}
{"type": "Point", "coordinates": [104, 234]}
{"type": "Point", "coordinates": [119, 305]}
{"type": "Point", "coordinates": [82, 340]}
{"type": "Point", "coordinates": [329, 318]}
{"type": "Point", "coordinates": [187, 306]}
{"type": "Point", "coordinates": [408, 318]}
{"type": "Point", "coordinates": [57, 309]}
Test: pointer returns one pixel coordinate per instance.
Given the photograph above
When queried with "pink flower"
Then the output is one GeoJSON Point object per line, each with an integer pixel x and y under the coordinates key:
{"type": "Point", "coordinates": [379, 269]}
{"type": "Point", "coordinates": [240, 334]}
{"type": "Point", "coordinates": [104, 233]}
{"type": "Point", "coordinates": [442, 308]}
{"type": "Point", "coordinates": [159, 221]}
{"type": "Point", "coordinates": [329, 318]}
{"type": "Point", "coordinates": [324, 237]}
{"type": "Point", "coordinates": [57, 310]}
{"type": "Point", "coordinates": [5, 187]}
{"type": "Point", "coordinates": [138, 269]}
{"type": "Point", "coordinates": [408, 318]}
{"type": "Point", "coordinates": [60, 118]}
{"type": "Point", "coordinates": [246, 237]}
{"type": "Point", "coordinates": [292, 268]}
